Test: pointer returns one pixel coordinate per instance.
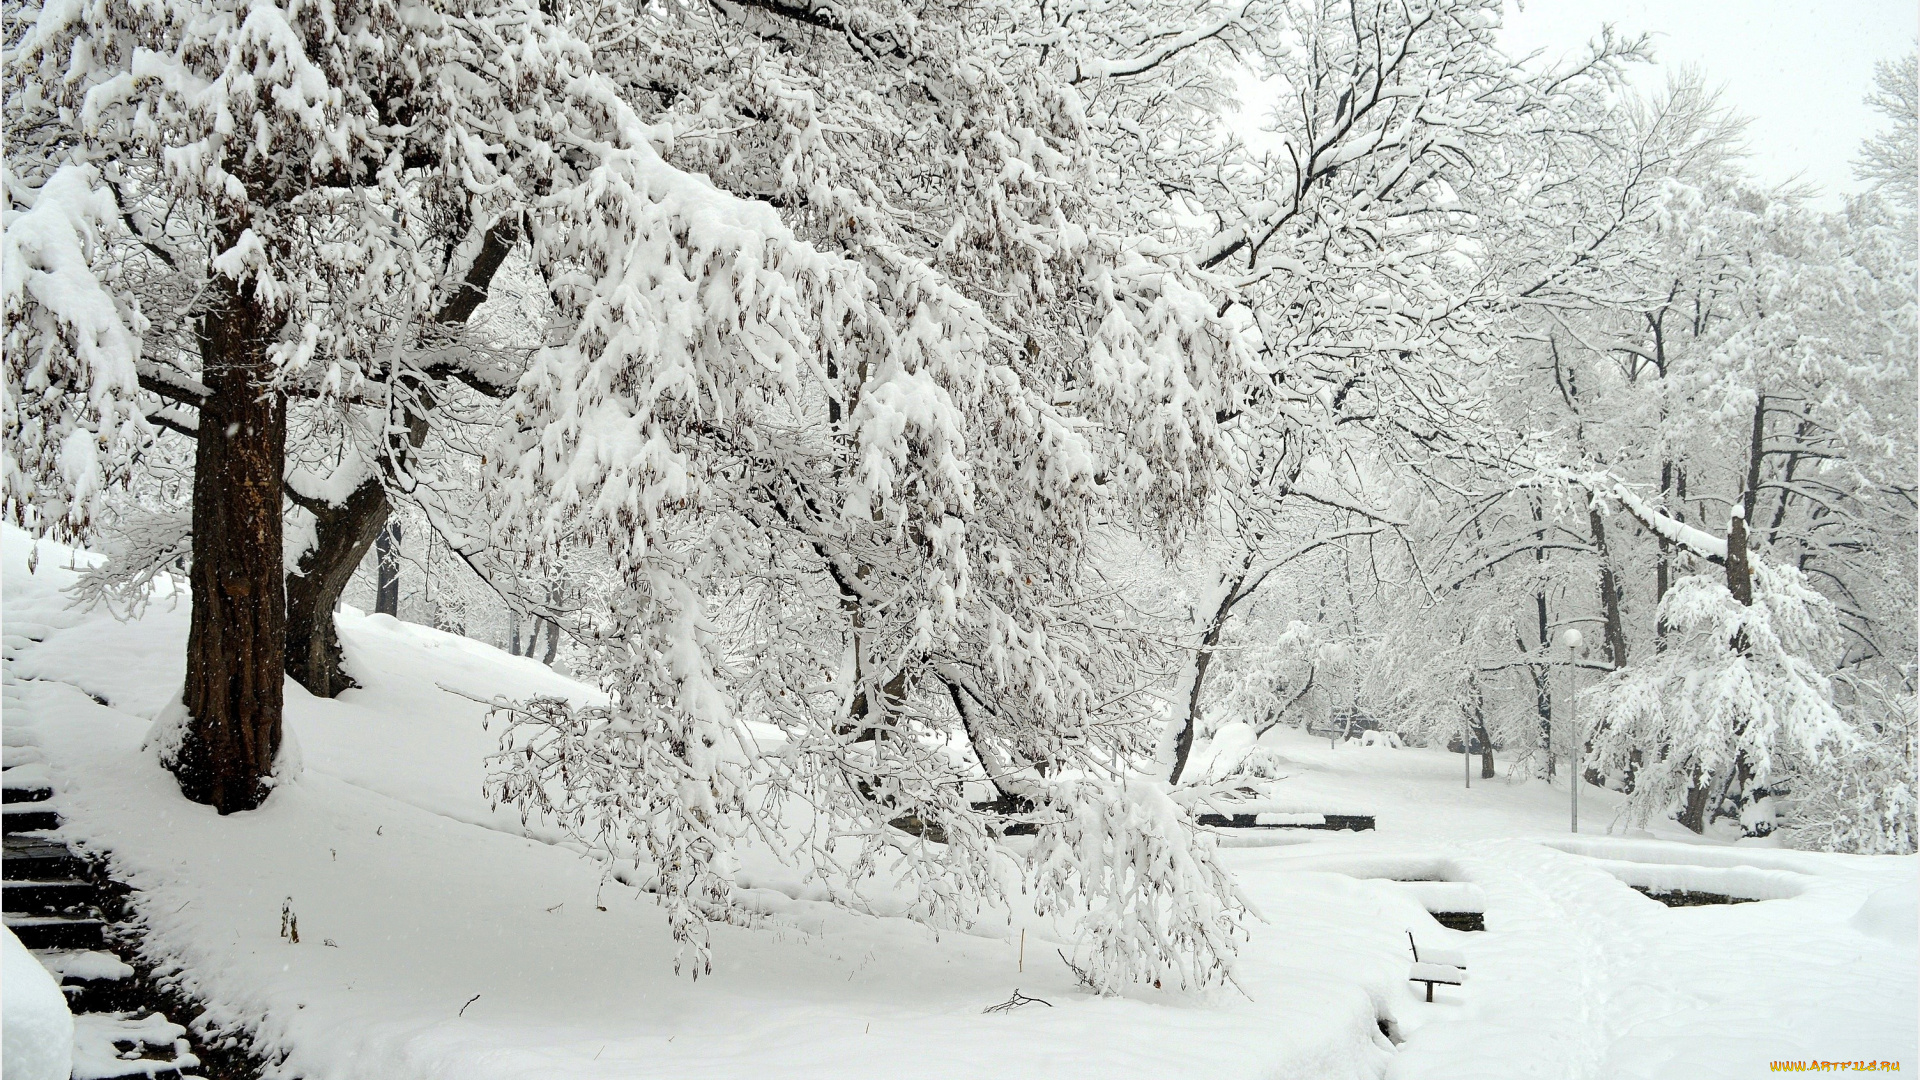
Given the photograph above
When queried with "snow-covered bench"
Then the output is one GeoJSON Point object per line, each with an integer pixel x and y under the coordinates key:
{"type": "Point", "coordinates": [1288, 819]}
{"type": "Point", "coordinates": [1440, 966]}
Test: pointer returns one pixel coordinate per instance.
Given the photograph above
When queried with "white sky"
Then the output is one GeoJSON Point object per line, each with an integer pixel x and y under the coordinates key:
{"type": "Point", "coordinates": [1798, 69]}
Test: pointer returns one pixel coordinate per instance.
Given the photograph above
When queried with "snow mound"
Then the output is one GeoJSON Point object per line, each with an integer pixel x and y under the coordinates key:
{"type": "Point", "coordinates": [1741, 881]}
{"type": "Point", "coordinates": [97, 1038]}
{"type": "Point", "coordinates": [87, 964]}
{"type": "Point", "coordinates": [36, 1030]}
{"type": "Point", "coordinates": [1892, 913]}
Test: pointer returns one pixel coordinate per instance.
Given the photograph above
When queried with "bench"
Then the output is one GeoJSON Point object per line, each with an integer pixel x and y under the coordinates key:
{"type": "Point", "coordinates": [1439, 966]}
{"type": "Point", "coordinates": [1332, 734]}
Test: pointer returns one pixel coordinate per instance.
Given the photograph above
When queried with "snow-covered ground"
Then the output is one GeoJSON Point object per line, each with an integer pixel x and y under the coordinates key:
{"type": "Point", "coordinates": [438, 937]}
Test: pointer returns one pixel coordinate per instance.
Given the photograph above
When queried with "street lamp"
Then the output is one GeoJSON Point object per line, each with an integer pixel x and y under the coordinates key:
{"type": "Point", "coordinates": [1571, 639]}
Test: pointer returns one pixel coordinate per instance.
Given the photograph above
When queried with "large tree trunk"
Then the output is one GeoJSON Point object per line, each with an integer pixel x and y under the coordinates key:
{"type": "Point", "coordinates": [1672, 477]}
{"type": "Point", "coordinates": [236, 638]}
{"type": "Point", "coordinates": [1542, 672]}
{"type": "Point", "coordinates": [1740, 584]}
{"type": "Point", "coordinates": [342, 536]}
{"type": "Point", "coordinates": [1739, 568]}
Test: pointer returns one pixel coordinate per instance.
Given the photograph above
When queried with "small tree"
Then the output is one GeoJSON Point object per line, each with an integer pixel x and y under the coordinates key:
{"type": "Point", "coordinates": [1739, 686]}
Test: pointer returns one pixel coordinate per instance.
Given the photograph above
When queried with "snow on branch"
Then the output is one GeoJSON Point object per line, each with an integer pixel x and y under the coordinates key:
{"type": "Point", "coordinates": [1706, 545]}
{"type": "Point", "coordinates": [1173, 45]}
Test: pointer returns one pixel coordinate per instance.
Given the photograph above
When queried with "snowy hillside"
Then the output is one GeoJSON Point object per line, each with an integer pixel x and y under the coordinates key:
{"type": "Point", "coordinates": [440, 939]}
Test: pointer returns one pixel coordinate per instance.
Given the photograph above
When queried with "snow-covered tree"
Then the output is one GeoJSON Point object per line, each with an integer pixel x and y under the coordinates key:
{"type": "Point", "coordinates": [1415, 185]}
{"type": "Point", "coordinates": [1891, 159]}
{"type": "Point", "coordinates": [1737, 687]}
{"type": "Point", "coordinates": [862, 503]}
{"type": "Point", "coordinates": [302, 205]}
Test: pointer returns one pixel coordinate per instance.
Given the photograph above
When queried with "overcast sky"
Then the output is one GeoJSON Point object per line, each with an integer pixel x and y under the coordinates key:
{"type": "Point", "coordinates": [1798, 68]}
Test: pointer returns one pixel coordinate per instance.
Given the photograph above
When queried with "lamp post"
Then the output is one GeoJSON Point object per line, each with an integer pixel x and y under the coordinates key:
{"type": "Point", "coordinates": [1571, 639]}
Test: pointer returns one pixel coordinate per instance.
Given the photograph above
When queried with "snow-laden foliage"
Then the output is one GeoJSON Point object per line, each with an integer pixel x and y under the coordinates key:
{"type": "Point", "coordinates": [849, 465]}
{"type": "Point", "coordinates": [1737, 688]}
{"type": "Point", "coordinates": [1117, 860]}
{"type": "Point", "coordinates": [857, 328]}
{"type": "Point", "coordinates": [72, 426]}
{"type": "Point", "coordinates": [1413, 188]}
{"type": "Point", "coordinates": [145, 547]}
{"type": "Point", "coordinates": [1891, 159]}
{"type": "Point", "coordinates": [1864, 801]}
{"type": "Point", "coordinates": [1295, 677]}
{"type": "Point", "coordinates": [625, 791]}
{"type": "Point", "coordinates": [1160, 909]}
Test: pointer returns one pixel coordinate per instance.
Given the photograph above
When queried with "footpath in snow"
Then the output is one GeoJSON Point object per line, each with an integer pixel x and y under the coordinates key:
{"type": "Point", "coordinates": [441, 938]}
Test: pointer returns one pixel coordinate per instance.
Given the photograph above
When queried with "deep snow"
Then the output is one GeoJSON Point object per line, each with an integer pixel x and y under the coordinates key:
{"type": "Point", "coordinates": [36, 1032]}
{"type": "Point", "coordinates": [440, 938]}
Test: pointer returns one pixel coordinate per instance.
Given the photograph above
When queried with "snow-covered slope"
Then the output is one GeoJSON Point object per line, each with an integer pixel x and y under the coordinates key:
{"type": "Point", "coordinates": [438, 938]}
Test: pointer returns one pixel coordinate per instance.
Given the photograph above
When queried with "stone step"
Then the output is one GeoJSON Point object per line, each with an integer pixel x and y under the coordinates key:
{"type": "Point", "coordinates": [56, 897]}
{"type": "Point", "coordinates": [28, 818]}
{"type": "Point", "coordinates": [95, 981]}
{"type": "Point", "coordinates": [57, 931]}
{"type": "Point", "coordinates": [31, 858]}
{"type": "Point", "coordinates": [15, 795]}
{"type": "Point", "coordinates": [130, 1043]}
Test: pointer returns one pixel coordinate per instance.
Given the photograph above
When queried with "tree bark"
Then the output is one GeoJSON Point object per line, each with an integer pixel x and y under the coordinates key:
{"type": "Point", "coordinates": [1542, 672]}
{"type": "Point", "coordinates": [1203, 659]}
{"type": "Point", "coordinates": [236, 638]}
{"type": "Point", "coordinates": [386, 597]}
{"type": "Point", "coordinates": [1542, 686]}
{"type": "Point", "coordinates": [553, 642]}
{"type": "Point", "coordinates": [1694, 814]}
{"type": "Point", "coordinates": [1609, 591]}
{"type": "Point", "coordinates": [1480, 729]}
{"type": "Point", "coordinates": [342, 536]}
{"type": "Point", "coordinates": [345, 532]}
{"type": "Point", "coordinates": [1662, 568]}
{"type": "Point", "coordinates": [1740, 584]}
{"type": "Point", "coordinates": [1739, 569]}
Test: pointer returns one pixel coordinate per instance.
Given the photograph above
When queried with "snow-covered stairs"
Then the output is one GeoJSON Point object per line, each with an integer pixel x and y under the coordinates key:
{"type": "Point", "coordinates": [48, 904]}
{"type": "Point", "coordinates": [56, 908]}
